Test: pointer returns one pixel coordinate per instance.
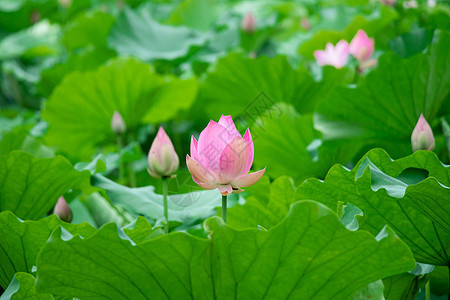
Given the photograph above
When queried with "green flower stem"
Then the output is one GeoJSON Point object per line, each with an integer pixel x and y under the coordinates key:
{"type": "Point", "coordinates": [224, 208]}
{"type": "Point", "coordinates": [427, 290]}
{"type": "Point", "coordinates": [121, 163]}
{"type": "Point", "coordinates": [166, 208]}
{"type": "Point", "coordinates": [132, 175]}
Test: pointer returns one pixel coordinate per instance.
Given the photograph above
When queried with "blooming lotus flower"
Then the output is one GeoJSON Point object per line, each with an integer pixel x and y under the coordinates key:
{"type": "Point", "coordinates": [336, 56]}
{"type": "Point", "coordinates": [162, 159]}
{"type": "Point", "coordinates": [361, 46]}
{"type": "Point", "coordinates": [422, 136]}
{"type": "Point", "coordinates": [62, 210]}
{"type": "Point", "coordinates": [118, 124]}
{"type": "Point", "coordinates": [249, 23]}
{"type": "Point", "coordinates": [222, 158]}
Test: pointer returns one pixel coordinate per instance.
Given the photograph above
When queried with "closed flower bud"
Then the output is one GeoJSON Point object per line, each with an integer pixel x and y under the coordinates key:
{"type": "Point", "coordinates": [162, 159]}
{"type": "Point", "coordinates": [62, 210]}
{"type": "Point", "coordinates": [422, 137]}
{"type": "Point", "coordinates": [118, 124]}
{"type": "Point", "coordinates": [249, 23]}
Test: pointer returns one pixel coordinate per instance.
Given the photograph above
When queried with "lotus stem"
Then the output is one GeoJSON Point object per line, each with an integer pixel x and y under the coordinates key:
{"type": "Point", "coordinates": [166, 209]}
{"type": "Point", "coordinates": [224, 208]}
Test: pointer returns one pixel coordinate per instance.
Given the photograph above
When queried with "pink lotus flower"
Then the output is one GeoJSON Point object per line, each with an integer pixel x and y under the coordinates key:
{"type": "Point", "coordinates": [162, 159]}
{"type": "Point", "coordinates": [222, 158]}
{"type": "Point", "coordinates": [336, 56]}
{"type": "Point", "coordinates": [422, 136]}
{"type": "Point", "coordinates": [249, 23]}
{"type": "Point", "coordinates": [62, 210]}
{"type": "Point", "coordinates": [361, 46]}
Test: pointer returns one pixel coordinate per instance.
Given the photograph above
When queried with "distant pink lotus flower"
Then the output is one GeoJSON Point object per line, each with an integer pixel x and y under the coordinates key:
{"type": "Point", "coordinates": [361, 46]}
{"type": "Point", "coordinates": [162, 159]}
{"type": "Point", "coordinates": [249, 23]}
{"type": "Point", "coordinates": [222, 158]}
{"type": "Point", "coordinates": [336, 56]}
{"type": "Point", "coordinates": [422, 136]}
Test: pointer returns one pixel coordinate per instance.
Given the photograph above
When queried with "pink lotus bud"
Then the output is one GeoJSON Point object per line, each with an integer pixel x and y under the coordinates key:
{"type": "Point", "coordinates": [62, 210]}
{"type": "Point", "coordinates": [422, 136]}
{"type": "Point", "coordinates": [305, 24]}
{"type": "Point", "coordinates": [65, 3]}
{"type": "Point", "coordinates": [333, 56]}
{"type": "Point", "coordinates": [35, 16]}
{"type": "Point", "coordinates": [361, 46]}
{"type": "Point", "coordinates": [222, 158]}
{"type": "Point", "coordinates": [388, 2]}
{"type": "Point", "coordinates": [162, 159]}
{"type": "Point", "coordinates": [117, 123]}
{"type": "Point", "coordinates": [249, 23]}
{"type": "Point", "coordinates": [410, 4]}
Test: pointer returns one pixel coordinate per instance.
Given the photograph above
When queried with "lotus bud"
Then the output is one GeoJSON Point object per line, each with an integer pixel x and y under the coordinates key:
{"type": "Point", "coordinates": [361, 46]}
{"type": "Point", "coordinates": [35, 16]}
{"type": "Point", "coordinates": [65, 3]}
{"type": "Point", "coordinates": [422, 137]}
{"type": "Point", "coordinates": [305, 24]}
{"type": "Point", "coordinates": [118, 124]}
{"type": "Point", "coordinates": [388, 2]}
{"type": "Point", "coordinates": [249, 23]}
{"type": "Point", "coordinates": [162, 159]}
{"type": "Point", "coordinates": [62, 210]}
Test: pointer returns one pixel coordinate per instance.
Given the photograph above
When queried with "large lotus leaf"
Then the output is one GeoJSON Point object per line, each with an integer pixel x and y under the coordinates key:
{"type": "Point", "coordinates": [39, 39]}
{"type": "Point", "coordinates": [410, 194]}
{"type": "Point", "coordinates": [80, 109]}
{"type": "Point", "coordinates": [310, 255]}
{"type": "Point", "coordinates": [257, 212]}
{"type": "Point", "coordinates": [31, 186]}
{"type": "Point", "coordinates": [187, 208]}
{"type": "Point", "coordinates": [386, 105]}
{"type": "Point", "coordinates": [22, 287]}
{"type": "Point", "coordinates": [246, 87]}
{"type": "Point", "coordinates": [22, 241]}
{"type": "Point", "coordinates": [90, 28]}
{"type": "Point", "coordinates": [197, 14]}
{"type": "Point", "coordinates": [287, 144]}
{"type": "Point", "coordinates": [136, 33]}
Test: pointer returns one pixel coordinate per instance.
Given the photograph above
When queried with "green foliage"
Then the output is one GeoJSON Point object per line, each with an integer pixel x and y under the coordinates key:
{"type": "Point", "coordinates": [301, 153]}
{"type": "Point", "coordinates": [308, 254]}
{"type": "Point", "coordinates": [31, 186]}
{"type": "Point", "coordinates": [22, 241]}
{"type": "Point", "coordinates": [80, 109]}
{"type": "Point", "coordinates": [386, 105]}
{"type": "Point", "coordinates": [22, 287]}
{"type": "Point", "coordinates": [410, 195]}
{"type": "Point", "coordinates": [134, 32]}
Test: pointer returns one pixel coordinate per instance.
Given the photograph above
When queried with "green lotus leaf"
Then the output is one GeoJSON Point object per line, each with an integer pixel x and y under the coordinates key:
{"type": "Point", "coordinates": [409, 194]}
{"type": "Point", "coordinates": [242, 86]}
{"type": "Point", "coordinates": [80, 109]}
{"type": "Point", "coordinates": [137, 33]}
{"type": "Point", "coordinates": [309, 255]}
{"type": "Point", "coordinates": [300, 151]}
{"type": "Point", "coordinates": [22, 287]}
{"type": "Point", "coordinates": [31, 186]}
